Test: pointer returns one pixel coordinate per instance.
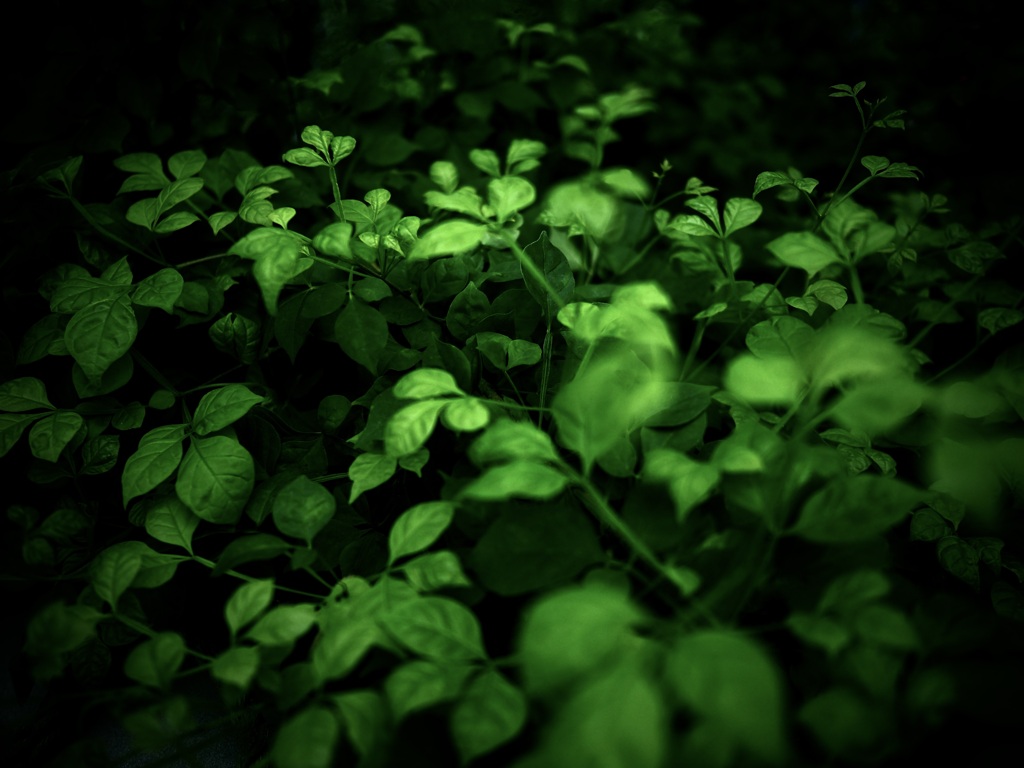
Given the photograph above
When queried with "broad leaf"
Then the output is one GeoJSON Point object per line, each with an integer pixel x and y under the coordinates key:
{"type": "Point", "coordinates": [367, 471]}
{"type": "Point", "coordinates": [237, 666]}
{"type": "Point", "coordinates": [283, 625]}
{"type": "Point", "coordinates": [52, 433]}
{"type": "Point", "coordinates": [426, 383]}
{"type": "Point", "coordinates": [276, 253]}
{"type": "Point", "coordinates": [517, 479]}
{"type": "Point", "coordinates": [171, 522]}
{"type": "Point", "coordinates": [855, 509]}
{"type": "Point", "coordinates": [419, 684]}
{"type": "Point", "coordinates": [114, 571]}
{"type": "Point", "coordinates": [803, 250]}
{"type": "Point", "coordinates": [409, 428]}
{"type": "Point", "coordinates": [302, 508]}
{"type": "Point", "coordinates": [437, 628]}
{"type": "Point", "coordinates": [490, 712]}
{"type": "Point", "coordinates": [307, 740]}
{"type": "Point", "coordinates": [154, 662]}
{"type": "Point", "coordinates": [160, 290]}
{"type": "Point", "coordinates": [448, 238]}
{"type": "Point", "coordinates": [510, 194]}
{"type": "Point", "coordinates": [550, 262]}
{"type": "Point", "coordinates": [248, 603]}
{"type": "Point", "coordinates": [362, 333]}
{"type": "Point", "coordinates": [215, 478]}
{"type": "Point", "coordinates": [507, 440]}
{"type": "Point", "coordinates": [101, 333]}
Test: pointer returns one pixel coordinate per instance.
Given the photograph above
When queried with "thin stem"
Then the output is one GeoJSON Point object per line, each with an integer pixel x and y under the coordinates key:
{"type": "Point", "coordinates": [337, 192]}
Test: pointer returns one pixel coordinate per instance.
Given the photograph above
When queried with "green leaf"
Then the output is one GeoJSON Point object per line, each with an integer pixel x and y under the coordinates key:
{"type": "Point", "coordinates": [842, 720]}
{"type": "Point", "coordinates": [960, 559]}
{"type": "Point", "coordinates": [486, 160]}
{"type": "Point", "coordinates": [52, 433]}
{"type": "Point", "coordinates": [874, 163]}
{"type": "Point", "coordinates": [24, 394]}
{"type": "Point", "coordinates": [237, 666]}
{"type": "Point", "coordinates": [283, 625]}
{"type": "Point", "coordinates": [534, 547]}
{"type": "Point", "coordinates": [171, 522]}
{"type": "Point", "coordinates": [340, 646]}
{"type": "Point", "coordinates": [222, 407]}
{"type": "Point", "coordinates": [215, 478]}
{"type": "Point", "coordinates": [307, 740]}
{"type": "Point", "coordinates": [335, 240]}
{"type": "Point", "coordinates": [690, 482]}
{"type": "Point", "coordinates": [490, 712]}
{"type": "Point", "coordinates": [246, 549]}
{"type": "Point", "coordinates": [435, 570]}
{"type": "Point", "coordinates": [553, 264]}
{"type": "Point", "coordinates": [464, 200]}
{"type": "Point", "coordinates": [305, 157]}
{"type": "Point", "coordinates": [341, 147]}
{"type": "Point", "coordinates": [740, 212]}
{"type": "Point", "coordinates": [419, 684]}
{"type": "Point", "coordinates": [145, 165]}
{"type": "Point", "coordinates": [366, 719]}
{"type": "Point", "coordinates": [419, 527]}
{"type": "Point", "coordinates": [248, 603]}
{"type": "Point", "coordinates": [157, 457]}
{"type": "Point", "coordinates": [362, 333]}
{"type": "Point", "coordinates": [466, 414]}
{"type": "Point", "coordinates": [101, 333]}
{"type": "Point", "coordinates": [276, 254]}
{"type": "Point", "coordinates": [449, 238]}
{"type": "Point", "coordinates": [855, 509]}
{"type": "Point", "coordinates": [510, 194]}
{"type": "Point", "coordinates": [765, 381]}
{"type": "Point", "coordinates": [572, 633]}
{"type": "Point", "coordinates": [99, 454]}
{"type": "Point", "coordinates": [187, 163]}
{"type": "Point", "coordinates": [996, 319]}
{"type": "Point", "coordinates": [409, 428]}
{"type": "Point", "coordinates": [522, 154]}
{"type": "Point", "coordinates": [805, 251]}
{"type": "Point", "coordinates": [221, 219]}
{"type": "Point", "coordinates": [819, 631]}
{"type": "Point", "coordinates": [437, 628]}
{"type": "Point", "coordinates": [302, 508]}
{"type": "Point", "coordinates": [176, 221]}
{"type": "Point", "coordinates": [768, 180]}
{"type": "Point", "coordinates": [369, 470]}
{"type": "Point", "coordinates": [160, 290]}
{"type": "Point", "coordinates": [853, 590]}
{"type": "Point", "coordinates": [426, 383]}
{"type": "Point", "coordinates": [114, 571]}
{"type": "Point", "coordinates": [507, 440]}
{"type": "Point", "coordinates": [521, 479]}
{"type": "Point", "coordinates": [154, 662]}
{"type": "Point", "coordinates": [445, 175]}
{"type": "Point", "coordinates": [730, 680]}
{"type": "Point", "coordinates": [886, 626]}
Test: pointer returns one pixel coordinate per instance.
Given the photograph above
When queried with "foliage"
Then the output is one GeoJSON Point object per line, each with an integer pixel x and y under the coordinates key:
{"type": "Point", "coordinates": [577, 467]}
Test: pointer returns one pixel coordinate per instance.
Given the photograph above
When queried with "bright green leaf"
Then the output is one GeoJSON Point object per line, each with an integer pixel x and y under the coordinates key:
{"type": "Point", "coordinates": [517, 479]}
{"type": "Point", "coordinates": [419, 527]}
{"type": "Point", "coordinates": [367, 471]}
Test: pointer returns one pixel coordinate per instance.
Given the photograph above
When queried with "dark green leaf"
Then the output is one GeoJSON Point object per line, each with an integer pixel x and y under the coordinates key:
{"type": "Point", "coordinates": [855, 508]}
{"type": "Point", "coordinates": [248, 603]}
{"type": "Point", "coordinates": [302, 508]}
{"type": "Point", "coordinates": [222, 407]}
{"type": "Point", "coordinates": [307, 740]}
{"type": "Point", "coordinates": [534, 547]}
{"type": "Point", "coordinates": [236, 666]}
{"type": "Point", "coordinates": [960, 559]}
{"type": "Point", "coordinates": [52, 433]}
{"type": "Point", "coordinates": [556, 270]}
{"type": "Point", "coordinates": [419, 684]}
{"type": "Point", "coordinates": [215, 478]}
{"type": "Point", "coordinates": [246, 549]}
{"type": "Point", "coordinates": [437, 628]}
{"type": "Point", "coordinates": [161, 290]}
{"type": "Point", "coordinates": [157, 457]}
{"type": "Point", "coordinates": [362, 333]}
{"type": "Point", "coordinates": [171, 522]}
{"type": "Point", "coordinates": [101, 333]}
{"type": "Point", "coordinates": [114, 571]}
{"type": "Point", "coordinates": [435, 570]}
{"type": "Point", "coordinates": [25, 394]}
{"type": "Point", "coordinates": [283, 625]}
{"type": "Point", "coordinates": [490, 712]}
{"type": "Point", "coordinates": [155, 661]}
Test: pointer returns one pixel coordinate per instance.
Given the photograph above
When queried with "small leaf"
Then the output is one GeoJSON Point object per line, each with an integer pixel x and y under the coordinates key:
{"type": "Point", "coordinates": [276, 253]}
{"type": "Point", "coordinates": [114, 571]}
{"type": "Point", "coordinates": [187, 163]}
{"type": "Point", "coordinates": [305, 157]}
{"type": "Point", "coordinates": [175, 221]}
{"type": "Point", "coordinates": [221, 219]}
{"type": "Point", "coordinates": [419, 684]}
{"type": "Point", "coordinates": [369, 470]}
{"type": "Point", "coordinates": [448, 238]}
{"type": "Point", "coordinates": [466, 414]}
{"type": "Point", "coordinates": [248, 603]}
{"type": "Point", "coordinates": [25, 394]}
{"type": "Point", "coordinates": [445, 175]}
{"type": "Point", "coordinates": [435, 570]}
{"type": "Point", "coordinates": [740, 212]}
{"type": "Point", "coordinates": [960, 559]}
{"type": "Point", "coordinates": [508, 440]}
{"type": "Point", "coordinates": [486, 160]}
{"type": "Point", "coordinates": [875, 163]}
{"type": "Point", "coordinates": [247, 549]}
{"type": "Point", "coordinates": [154, 662]}
{"type": "Point", "coordinates": [222, 407]}
{"type": "Point", "coordinates": [509, 194]}
{"type": "Point", "coordinates": [426, 383]}
{"type": "Point", "coordinates": [855, 509]}
{"type": "Point", "coordinates": [992, 320]}
{"type": "Point", "coordinates": [419, 527]}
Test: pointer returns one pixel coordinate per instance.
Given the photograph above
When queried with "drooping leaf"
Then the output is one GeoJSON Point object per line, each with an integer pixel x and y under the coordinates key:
{"type": "Point", "coordinates": [516, 479]}
{"type": "Point", "coordinates": [277, 256]}
{"type": "Point", "coordinates": [551, 262]}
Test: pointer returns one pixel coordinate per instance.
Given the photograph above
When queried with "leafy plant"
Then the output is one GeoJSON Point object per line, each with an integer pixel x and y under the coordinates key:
{"type": "Point", "coordinates": [586, 475]}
